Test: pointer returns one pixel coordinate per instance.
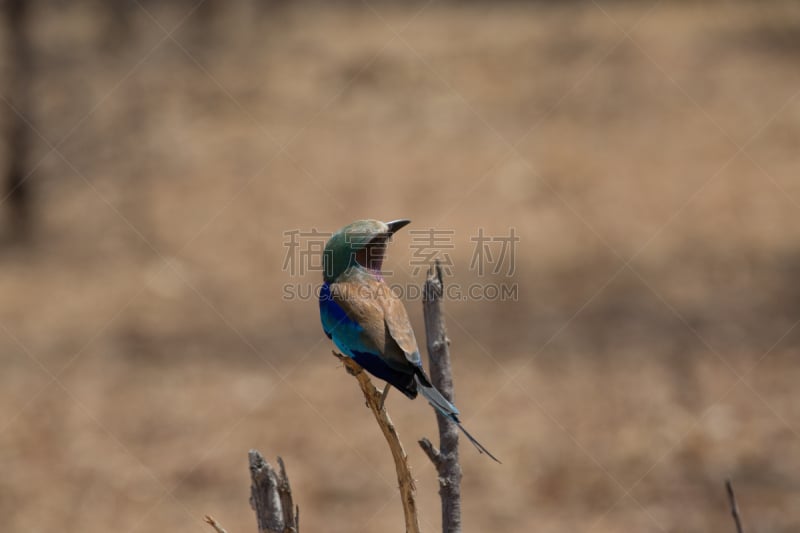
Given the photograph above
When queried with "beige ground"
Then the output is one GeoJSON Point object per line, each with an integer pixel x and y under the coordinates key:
{"type": "Point", "coordinates": [146, 346]}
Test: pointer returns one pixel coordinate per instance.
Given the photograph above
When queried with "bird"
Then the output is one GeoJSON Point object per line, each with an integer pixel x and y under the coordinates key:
{"type": "Point", "coordinates": [368, 322]}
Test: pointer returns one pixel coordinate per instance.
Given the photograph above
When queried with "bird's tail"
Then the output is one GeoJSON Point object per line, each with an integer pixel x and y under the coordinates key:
{"type": "Point", "coordinates": [447, 409]}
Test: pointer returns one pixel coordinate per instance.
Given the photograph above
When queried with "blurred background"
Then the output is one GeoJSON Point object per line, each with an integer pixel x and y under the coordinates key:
{"type": "Point", "coordinates": [156, 156]}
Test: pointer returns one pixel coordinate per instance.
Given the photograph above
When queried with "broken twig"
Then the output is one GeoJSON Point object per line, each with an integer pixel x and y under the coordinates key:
{"type": "Point", "coordinates": [271, 496]}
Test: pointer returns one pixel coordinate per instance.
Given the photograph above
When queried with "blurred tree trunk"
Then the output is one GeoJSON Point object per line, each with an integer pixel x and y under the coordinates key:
{"type": "Point", "coordinates": [118, 28]}
{"type": "Point", "coordinates": [16, 189]}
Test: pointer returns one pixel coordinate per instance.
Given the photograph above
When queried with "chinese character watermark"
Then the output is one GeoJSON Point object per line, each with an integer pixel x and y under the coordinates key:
{"type": "Point", "coordinates": [483, 256]}
{"type": "Point", "coordinates": [493, 255]}
{"type": "Point", "coordinates": [304, 251]}
{"type": "Point", "coordinates": [426, 245]}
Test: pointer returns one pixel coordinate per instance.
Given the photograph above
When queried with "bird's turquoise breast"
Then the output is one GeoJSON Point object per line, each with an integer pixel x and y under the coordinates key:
{"type": "Point", "coordinates": [344, 332]}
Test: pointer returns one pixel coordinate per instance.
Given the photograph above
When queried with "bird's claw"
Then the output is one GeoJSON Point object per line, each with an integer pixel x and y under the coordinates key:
{"type": "Point", "coordinates": [384, 394]}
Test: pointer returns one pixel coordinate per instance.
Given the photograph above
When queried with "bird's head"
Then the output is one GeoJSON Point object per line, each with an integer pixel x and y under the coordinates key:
{"type": "Point", "coordinates": [360, 243]}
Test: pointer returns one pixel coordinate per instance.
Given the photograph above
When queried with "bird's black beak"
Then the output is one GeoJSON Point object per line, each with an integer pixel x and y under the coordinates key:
{"type": "Point", "coordinates": [395, 225]}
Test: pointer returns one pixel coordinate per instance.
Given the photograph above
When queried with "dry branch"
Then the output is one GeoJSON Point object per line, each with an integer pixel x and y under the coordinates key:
{"type": "Point", "coordinates": [734, 506]}
{"type": "Point", "coordinates": [213, 523]}
{"type": "Point", "coordinates": [271, 497]}
{"type": "Point", "coordinates": [404, 477]}
{"type": "Point", "coordinates": [445, 459]}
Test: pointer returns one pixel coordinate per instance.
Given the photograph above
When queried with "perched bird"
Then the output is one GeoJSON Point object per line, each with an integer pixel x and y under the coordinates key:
{"type": "Point", "coordinates": [367, 321]}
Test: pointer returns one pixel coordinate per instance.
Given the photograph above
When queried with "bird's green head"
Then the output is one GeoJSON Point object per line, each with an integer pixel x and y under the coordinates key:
{"type": "Point", "coordinates": [360, 243]}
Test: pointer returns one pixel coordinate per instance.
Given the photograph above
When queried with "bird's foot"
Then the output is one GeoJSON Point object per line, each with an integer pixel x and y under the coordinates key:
{"type": "Point", "coordinates": [384, 394]}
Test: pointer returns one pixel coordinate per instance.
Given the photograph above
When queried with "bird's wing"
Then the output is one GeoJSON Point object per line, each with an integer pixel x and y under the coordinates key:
{"type": "Point", "coordinates": [363, 311]}
{"type": "Point", "coordinates": [399, 327]}
{"type": "Point", "coordinates": [371, 303]}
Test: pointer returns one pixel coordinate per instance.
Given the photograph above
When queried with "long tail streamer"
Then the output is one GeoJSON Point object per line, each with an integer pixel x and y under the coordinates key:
{"type": "Point", "coordinates": [449, 410]}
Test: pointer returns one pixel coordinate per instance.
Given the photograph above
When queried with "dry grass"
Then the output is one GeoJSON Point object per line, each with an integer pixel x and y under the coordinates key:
{"type": "Point", "coordinates": [158, 349]}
